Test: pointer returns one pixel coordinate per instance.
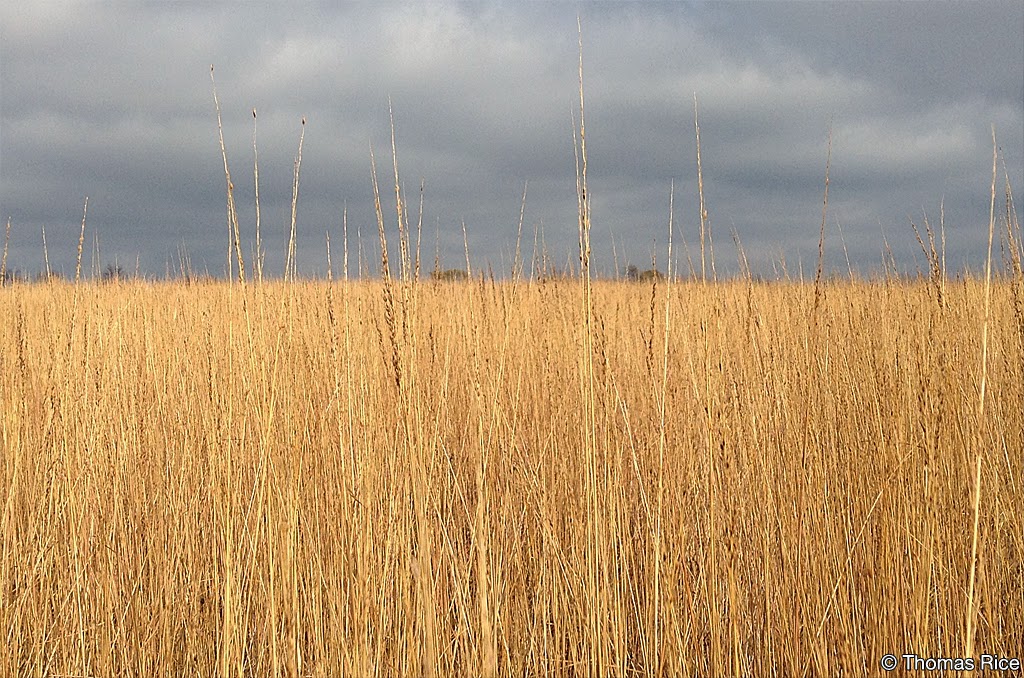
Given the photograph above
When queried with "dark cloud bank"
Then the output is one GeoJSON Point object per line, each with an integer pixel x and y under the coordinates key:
{"type": "Point", "coordinates": [113, 101]}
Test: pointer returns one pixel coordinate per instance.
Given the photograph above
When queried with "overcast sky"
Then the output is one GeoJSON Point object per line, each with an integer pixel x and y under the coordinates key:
{"type": "Point", "coordinates": [113, 100]}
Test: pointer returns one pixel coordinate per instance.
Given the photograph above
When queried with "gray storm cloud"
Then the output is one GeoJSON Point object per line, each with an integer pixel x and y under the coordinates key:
{"type": "Point", "coordinates": [114, 101]}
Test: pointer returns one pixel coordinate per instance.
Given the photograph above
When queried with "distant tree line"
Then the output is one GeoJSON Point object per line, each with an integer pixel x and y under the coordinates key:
{"type": "Point", "coordinates": [112, 273]}
{"type": "Point", "coordinates": [449, 275]}
{"type": "Point", "coordinates": [634, 274]}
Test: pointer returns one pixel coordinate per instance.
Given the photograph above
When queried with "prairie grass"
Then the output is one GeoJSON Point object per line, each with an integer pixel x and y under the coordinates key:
{"type": "Point", "coordinates": [362, 478]}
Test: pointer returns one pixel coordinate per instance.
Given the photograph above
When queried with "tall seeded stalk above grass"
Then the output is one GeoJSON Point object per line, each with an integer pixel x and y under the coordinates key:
{"type": "Point", "coordinates": [414, 448]}
{"type": "Point", "coordinates": [46, 257]}
{"type": "Point", "coordinates": [818, 290]}
{"type": "Point", "coordinates": [3, 260]}
{"type": "Point", "coordinates": [81, 241]}
{"type": "Point", "coordinates": [234, 237]}
{"type": "Point", "coordinates": [259, 255]}
{"type": "Point", "coordinates": [700, 194]}
{"type": "Point", "coordinates": [291, 266]}
{"type": "Point", "coordinates": [597, 595]}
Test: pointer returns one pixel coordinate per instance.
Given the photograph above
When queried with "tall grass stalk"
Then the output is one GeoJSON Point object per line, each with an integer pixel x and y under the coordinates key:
{"type": "Point", "coordinates": [700, 194]}
{"type": "Point", "coordinates": [597, 647]}
{"type": "Point", "coordinates": [981, 445]}
{"type": "Point", "coordinates": [81, 240]}
{"type": "Point", "coordinates": [234, 237]}
{"type": "Point", "coordinates": [259, 255]}
{"type": "Point", "coordinates": [291, 267]}
{"type": "Point", "coordinates": [654, 623]}
{"type": "Point", "coordinates": [821, 237]}
{"type": "Point", "coordinates": [46, 256]}
{"type": "Point", "coordinates": [3, 260]}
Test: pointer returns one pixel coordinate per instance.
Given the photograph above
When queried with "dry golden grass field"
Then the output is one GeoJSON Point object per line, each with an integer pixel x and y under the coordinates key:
{"type": "Point", "coordinates": [486, 478]}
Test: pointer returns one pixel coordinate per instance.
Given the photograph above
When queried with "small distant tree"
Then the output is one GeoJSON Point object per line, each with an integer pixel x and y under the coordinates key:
{"type": "Point", "coordinates": [449, 275]}
{"type": "Point", "coordinates": [113, 273]}
{"type": "Point", "coordinates": [634, 274]}
{"type": "Point", "coordinates": [12, 276]}
{"type": "Point", "coordinates": [50, 277]}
